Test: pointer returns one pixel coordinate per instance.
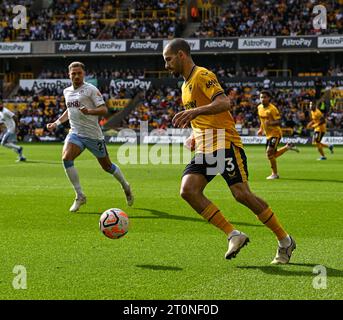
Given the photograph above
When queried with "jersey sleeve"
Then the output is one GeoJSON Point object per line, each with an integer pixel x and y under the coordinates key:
{"type": "Point", "coordinates": [276, 114]}
{"type": "Point", "coordinates": [209, 85]}
{"type": "Point", "coordinates": [96, 97]}
{"type": "Point", "coordinates": [7, 113]}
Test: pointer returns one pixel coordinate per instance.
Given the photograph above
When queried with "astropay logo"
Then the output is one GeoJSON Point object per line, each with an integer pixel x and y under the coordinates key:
{"type": "Point", "coordinates": [257, 43]}
{"type": "Point", "coordinates": [71, 47]}
{"type": "Point", "coordinates": [15, 47]}
{"type": "Point", "coordinates": [131, 84]}
{"type": "Point", "coordinates": [330, 42]}
{"type": "Point", "coordinates": [108, 46]}
{"type": "Point", "coordinates": [218, 44]}
{"type": "Point", "coordinates": [296, 43]}
{"type": "Point", "coordinates": [144, 45]}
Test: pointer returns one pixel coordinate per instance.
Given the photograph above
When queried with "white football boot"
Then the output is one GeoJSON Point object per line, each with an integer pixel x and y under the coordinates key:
{"type": "Point", "coordinates": [237, 240]}
{"type": "Point", "coordinates": [283, 255]}
{"type": "Point", "coordinates": [273, 176]}
{"type": "Point", "coordinates": [293, 147]}
{"type": "Point", "coordinates": [78, 202]}
{"type": "Point", "coordinates": [129, 195]}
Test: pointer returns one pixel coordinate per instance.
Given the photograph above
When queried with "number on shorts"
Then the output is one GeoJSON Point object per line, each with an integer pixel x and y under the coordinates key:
{"type": "Point", "coordinates": [229, 165]}
{"type": "Point", "coordinates": [100, 147]}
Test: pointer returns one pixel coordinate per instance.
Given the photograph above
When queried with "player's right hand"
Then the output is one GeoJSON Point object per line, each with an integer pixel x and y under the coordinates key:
{"type": "Point", "coordinates": [51, 126]}
{"type": "Point", "coordinates": [259, 132]}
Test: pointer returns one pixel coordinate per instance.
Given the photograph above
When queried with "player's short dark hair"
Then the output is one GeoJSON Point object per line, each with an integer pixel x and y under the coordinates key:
{"type": "Point", "coordinates": [77, 64]}
{"type": "Point", "coordinates": [178, 44]}
{"type": "Point", "coordinates": [266, 92]}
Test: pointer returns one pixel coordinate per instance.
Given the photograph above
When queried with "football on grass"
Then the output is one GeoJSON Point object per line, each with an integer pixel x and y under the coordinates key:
{"type": "Point", "coordinates": [114, 223]}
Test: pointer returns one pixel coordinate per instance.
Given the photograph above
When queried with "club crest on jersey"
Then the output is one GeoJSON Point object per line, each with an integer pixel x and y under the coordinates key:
{"type": "Point", "coordinates": [73, 104]}
{"type": "Point", "coordinates": [191, 105]}
{"type": "Point", "coordinates": [190, 87]}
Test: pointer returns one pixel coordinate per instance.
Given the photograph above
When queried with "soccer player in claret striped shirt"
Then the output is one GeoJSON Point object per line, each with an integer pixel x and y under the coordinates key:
{"type": "Point", "coordinates": [271, 126]}
{"type": "Point", "coordinates": [84, 106]}
{"type": "Point", "coordinates": [215, 138]}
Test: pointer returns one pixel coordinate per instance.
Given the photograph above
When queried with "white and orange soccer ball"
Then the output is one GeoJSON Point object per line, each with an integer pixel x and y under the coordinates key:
{"type": "Point", "coordinates": [114, 223]}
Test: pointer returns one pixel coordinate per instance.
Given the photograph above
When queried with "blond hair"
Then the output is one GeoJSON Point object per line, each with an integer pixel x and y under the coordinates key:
{"type": "Point", "coordinates": [76, 64]}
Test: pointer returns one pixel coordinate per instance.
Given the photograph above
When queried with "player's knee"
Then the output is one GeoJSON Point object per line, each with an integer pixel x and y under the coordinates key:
{"type": "Point", "coordinates": [187, 193]}
{"type": "Point", "coordinates": [270, 155]}
{"type": "Point", "coordinates": [242, 196]}
{"type": "Point", "coordinates": [68, 164]}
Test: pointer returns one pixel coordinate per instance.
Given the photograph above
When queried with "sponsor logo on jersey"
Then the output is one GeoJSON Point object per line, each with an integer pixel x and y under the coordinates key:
{"type": "Point", "coordinates": [211, 83]}
{"type": "Point", "coordinates": [73, 104]}
{"type": "Point", "coordinates": [191, 104]}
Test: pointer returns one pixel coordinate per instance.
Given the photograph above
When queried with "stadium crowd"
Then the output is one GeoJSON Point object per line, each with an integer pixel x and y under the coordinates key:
{"type": "Point", "coordinates": [78, 20]}
{"type": "Point", "coordinates": [218, 69]}
{"type": "Point", "coordinates": [271, 18]}
{"type": "Point", "coordinates": [89, 20]}
{"type": "Point", "coordinates": [156, 4]}
{"type": "Point", "coordinates": [161, 104]}
{"type": "Point", "coordinates": [106, 74]}
{"type": "Point", "coordinates": [35, 109]}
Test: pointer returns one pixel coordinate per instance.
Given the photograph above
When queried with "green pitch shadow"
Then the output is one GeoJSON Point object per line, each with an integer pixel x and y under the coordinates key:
{"type": "Point", "coordinates": [41, 161]}
{"type": "Point", "coordinates": [156, 214]}
{"type": "Point", "coordinates": [278, 270]}
{"type": "Point", "coordinates": [158, 267]}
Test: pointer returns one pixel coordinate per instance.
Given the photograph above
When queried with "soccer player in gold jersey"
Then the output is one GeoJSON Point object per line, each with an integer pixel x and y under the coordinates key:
{"type": "Point", "coordinates": [318, 123]}
{"type": "Point", "coordinates": [219, 150]}
{"type": "Point", "coordinates": [271, 126]}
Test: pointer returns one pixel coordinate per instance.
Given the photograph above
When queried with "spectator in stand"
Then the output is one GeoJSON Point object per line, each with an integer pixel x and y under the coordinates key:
{"type": "Point", "coordinates": [70, 20]}
{"type": "Point", "coordinates": [271, 18]}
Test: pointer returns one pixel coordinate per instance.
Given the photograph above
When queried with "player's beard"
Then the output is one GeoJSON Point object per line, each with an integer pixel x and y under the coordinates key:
{"type": "Point", "coordinates": [176, 73]}
{"type": "Point", "coordinates": [77, 82]}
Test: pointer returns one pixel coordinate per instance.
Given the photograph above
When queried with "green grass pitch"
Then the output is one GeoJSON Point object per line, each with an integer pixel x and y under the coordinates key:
{"type": "Point", "coordinates": [169, 252]}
